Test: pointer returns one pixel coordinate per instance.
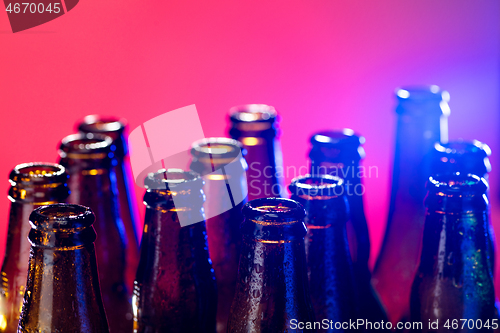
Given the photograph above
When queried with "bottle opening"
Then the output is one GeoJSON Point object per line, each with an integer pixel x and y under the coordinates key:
{"type": "Point", "coordinates": [86, 145]}
{"type": "Point", "coordinates": [216, 148]}
{"type": "Point", "coordinates": [253, 112]}
{"type": "Point", "coordinates": [317, 187]}
{"type": "Point", "coordinates": [343, 136]}
{"type": "Point", "coordinates": [172, 179]}
{"type": "Point", "coordinates": [422, 93]}
{"type": "Point", "coordinates": [38, 172]}
{"type": "Point", "coordinates": [97, 124]}
{"type": "Point", "coordinates": [461, 147]}
{"type": "Point", "coordinates": [61, 216]}
{"type": "Point", "coordinates": [457, 183]}
{"type": "Point", "coordinates": [274, 210]}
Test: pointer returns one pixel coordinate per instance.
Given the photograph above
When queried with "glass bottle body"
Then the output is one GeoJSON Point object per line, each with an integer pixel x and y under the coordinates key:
{"type": "Point", "coordinates": [422, 121]}
{"type": "Point", "coordinates": [272, 292]}
{"type": "Point", "coordinates": [221, 163]}
{"type": "Point", "coordinates": [175, 289]}
{"type": "Point", "coordinates": [87, 160]}
{"type": "Point", "coordinates": [33, 185]}
{"type": "Point", "coordinates": [62, 290]}
{"type": "Point", "coordinates": [454, 281]}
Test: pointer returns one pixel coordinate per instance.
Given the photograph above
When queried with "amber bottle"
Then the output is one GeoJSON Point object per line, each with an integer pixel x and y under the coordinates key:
{"type": "Point", "coordinates": [32, 185]}
{"type": "Point", "coordinates": [62, 291]}
{"type": "Point", "coordinates": [339, 153]}
{"type": "Point", "coordinates": [272, 292]}
{"type": "Point", "coordinates": [422, 121]}
{"type": "Point", "coordinates": [116, 129]}
{"type": "Point", "coordinates": [329, 265]}
{"type": "Point", "coordinates": [453, 287]}
{"type": "Point", "coordinates": [221, 163]}
{"type": "Point", "coordinates": [256, 126]}
{"type": "Point", "coordinates": [88, 160]}
{"type": "Point", "coordinates": [175, 289]}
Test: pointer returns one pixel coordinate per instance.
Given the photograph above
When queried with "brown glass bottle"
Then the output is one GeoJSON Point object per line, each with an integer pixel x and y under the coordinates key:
{"type": "Point", "coordinates": [221, 163]}
{"type": "Point", "coordinates": [454, 282]}
{"type": "Point", "coordinates": [339, 153]}
{"type": "Point", "coordinates": [272, 292]}
{"type": "Point", "coordinates": [32, 185]}
{"type": "Point", "coordinates": [256, 126]}
{"type": "Point", "coordinates": [116, 129]}
{"type": "Point", "coordinates": [422, 121]}
{"type": "Point", "coordinates": [329, 265]}
{"type": "Point", "coordinates": [62, 291]}
{"type": "Point", "coordinates": [88, 161]}
{"type": "Point", "coordinates": [175, 289]}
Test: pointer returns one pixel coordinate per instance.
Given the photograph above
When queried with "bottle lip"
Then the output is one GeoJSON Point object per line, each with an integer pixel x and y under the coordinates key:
{"type": "Point", "coordinates": [462, 147]}
{"type": "Point", "coordinates": [217, 148]}
{"type": "Point", "coordinates": [277, 211]}
{"type": "Point", "coordinates": [173, 180]}
{"type": "Point", "coordinates": [249, 113]}
{"type": "Point", "coordinates": [317, 186]}
{"type": "Point", "coordinates": [61, 216]}
{"type": "Point", "coordinates": [457, 183]}
{"type": "Point", "coordinates": [34, 173]}
{"type": "Point", "coordinates": [102, 124]}
{"type": "Point", "coordinates": [422, 94]}
{"type": "Point", "coordinates": [345, 136]}
{"type": "Point", "coordinates": [86, 146]}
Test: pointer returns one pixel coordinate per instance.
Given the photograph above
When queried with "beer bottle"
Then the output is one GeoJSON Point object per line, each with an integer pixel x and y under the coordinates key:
{"type": "Point", "coordinates": [175, 289]}
{"type": "Point", "coordinates": [116, 129]}
{"type": "Point", "coordinates": [339, 153]}
{"type": "Point", "coordinates": [88, 160]}
{"type": "Point", "coordinates": [32, 185]}
{"type": "Point", "coordinates": [272, 292]}
{"type": "Point", "coordinates": [62, 291]}
{"type": "Point", "coordinates": [329, 266]}
{"type": "Point", "coordinates": [422, 121]}
{"type": "Point", "coordinates": [221, 164]}
{"type": "Point", "coordinates": [256, 126]}
{"type": "Point", "coordinates": [453, 289]}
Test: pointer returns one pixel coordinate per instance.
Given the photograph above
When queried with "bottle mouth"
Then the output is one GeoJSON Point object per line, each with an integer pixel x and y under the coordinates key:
{"type": "Point", "coordinates": [253, 113]}
{"type": "Point", "coordinates": [64, 217]}
{"type": "Point", "coordinates": [276, 211]}
{"type": "Point", "coordinates": [174, 180]}
{"type": "Point", "coordinates": [457, 184]}
{"type": "Point", "coordinates": [104, 125]}
{"type": "Point", "coordinates": [461, 147]}
{"type": "Point", "coordinates": [38, 173]}
{"type": "Point", "coordinates": [217, 148]}
{"type": "Point", "coordinates": [317, 187]}
{"type": "Point", "coordinates": [86, 146]}
{"type": "Point", "coordinates": [422, 93]}
{"type": "Point", "coordinates": [344, 136]}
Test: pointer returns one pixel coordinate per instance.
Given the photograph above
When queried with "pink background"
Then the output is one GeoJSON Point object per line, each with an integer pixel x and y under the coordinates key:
{"type": "Point", "coordinates": [321, 63]}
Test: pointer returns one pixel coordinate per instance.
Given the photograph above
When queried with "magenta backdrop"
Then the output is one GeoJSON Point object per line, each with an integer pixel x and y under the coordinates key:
{"type": "Point", "coordinates": [321, 63]}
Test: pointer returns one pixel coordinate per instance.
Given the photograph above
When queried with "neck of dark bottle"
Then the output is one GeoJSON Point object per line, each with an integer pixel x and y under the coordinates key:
{"type": "Point", "coordinates": [271, 272]}
{"type": "Point", "coordinates": [265, 163]}
{"type": "Point", "coordinates": [62, 280]}
{"type": "Point", "coordinates": [415, 138]}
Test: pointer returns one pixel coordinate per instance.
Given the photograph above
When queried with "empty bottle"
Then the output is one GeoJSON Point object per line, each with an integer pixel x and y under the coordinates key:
{"type": "Point", "coordinates": [221, 163]}
{"type": "Point", "coordinates": [272, 292]}
{"type": "Point", "coordinates": [453, 289]}
{"type": "Point", "coordinates": [339, 153]}
{"type": "Point", "coordinates": [32, 185]}
{"type": "Point", "coordinates": [256, 126]}
{"type": "Point", "coordinates": [88, 160]}
{"type": "Point", "coordinates": [422, 121]}
{"type": "Point", "coordinates": [329, 267]}
{"type": "Point", "coordinates": [62, 291]}
{"type": "Point", "coordinates": [175, 289]}
{"type": "Point", "coordinates": [116, 129]}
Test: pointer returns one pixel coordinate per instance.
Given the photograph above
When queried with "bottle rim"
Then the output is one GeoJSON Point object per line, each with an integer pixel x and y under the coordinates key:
{"type": "Point", "coordinates": [345, 136]}
{"type": "Point", "coordinates": [277, 211]}
{"type": "Point", "coordinates": [34, 173]}
{"type": "Point", "coordinates": [61, 216]}
{"type": "Point", "coordinates": [217, 148]}
{"type": "Point", "coordinates": [317, 186]}
{"type": "Point", "coordinates": [249, 113]}
{"type": "Point", "coordinates": [422, 93]}
{"type": "Point", "coordinates": [173, 180]}
{"type": "Point", "coordinates": [102, 124]}
{"type": "Point", "coordinates": [86, 146]}
{"type": "Point", "coordinates": [457, 183]}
